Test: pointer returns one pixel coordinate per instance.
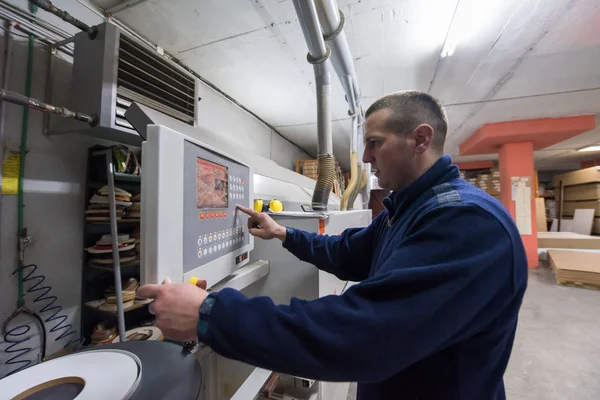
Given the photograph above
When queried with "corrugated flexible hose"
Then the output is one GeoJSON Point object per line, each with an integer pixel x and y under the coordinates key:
{"type": "Point", "coordinates": [326, 168]}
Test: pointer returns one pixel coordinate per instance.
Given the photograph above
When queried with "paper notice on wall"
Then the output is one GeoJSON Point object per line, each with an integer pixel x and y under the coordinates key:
{"type": "Point", "coordinates": [10, 173]}
{"type": "Point", "coordinates": [521, 195]}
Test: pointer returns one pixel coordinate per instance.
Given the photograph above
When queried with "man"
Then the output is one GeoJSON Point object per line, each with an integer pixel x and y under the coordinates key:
{"type": "Point", "coordinates": [442, 275]}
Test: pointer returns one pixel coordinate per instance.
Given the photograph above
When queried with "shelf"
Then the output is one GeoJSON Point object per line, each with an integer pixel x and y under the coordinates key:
{"type": "Point", "coordinates": [96, 304]}
{"type": "Point", "coordinates": [120, 177]}
{"type": "Point", "coordinates": [124, 266]}
{"type": "Point", "coordinates": [104, 227]}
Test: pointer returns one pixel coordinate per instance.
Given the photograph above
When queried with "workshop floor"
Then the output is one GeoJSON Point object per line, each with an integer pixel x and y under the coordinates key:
{"type": "Point", "coordinates": [556, 355]}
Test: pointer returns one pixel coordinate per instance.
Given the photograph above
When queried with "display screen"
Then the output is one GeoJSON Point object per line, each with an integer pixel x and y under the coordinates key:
{"type": "Point", "coordinates": [211, 185]}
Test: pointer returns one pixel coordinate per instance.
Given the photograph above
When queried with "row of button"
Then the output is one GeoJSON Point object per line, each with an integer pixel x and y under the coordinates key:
{"type": "Point", "coordinates": [236, 179]}
{"type": "Point", "coordinates": [216, 236]}
{"type": "Point", "coordinates": [221, 246]}
{"type": "Point", "coordinates": [211, 215]}
{"type": "Point", "coordinates": [236, 196]}
{"type": "Point", "coordinates": [237, 188]}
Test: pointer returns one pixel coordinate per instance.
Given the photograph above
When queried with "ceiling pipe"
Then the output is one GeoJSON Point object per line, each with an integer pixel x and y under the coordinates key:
{"type": "Point", "coordinates": [318, 54]}
{"type": "Point", "coordinates": [47, 5]}
{"type": "Point", "coordinates": [332, 22]}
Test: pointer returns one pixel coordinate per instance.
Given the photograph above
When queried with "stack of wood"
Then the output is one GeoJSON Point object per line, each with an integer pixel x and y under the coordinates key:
{"type": "Point", "coordinates": [488, 181]}
{"type": "Point", "coordinates": [310, 169]}
{"type": "Point", "coordinates": [572, 267]}
{"type": "Point", "coordinates": [581, 191]}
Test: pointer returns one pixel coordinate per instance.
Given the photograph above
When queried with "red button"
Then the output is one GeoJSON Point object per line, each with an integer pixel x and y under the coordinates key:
{"type": "Point", "coordinates": [212, 215]}
{"type": "Point", "coordinates": [225, 215]}
{"type": "Point", "coordinates": [242, 180]}
{"type": "Point", "coordinates": [201, 215]}
{"type": "Point", "coordinates": [222, 214]}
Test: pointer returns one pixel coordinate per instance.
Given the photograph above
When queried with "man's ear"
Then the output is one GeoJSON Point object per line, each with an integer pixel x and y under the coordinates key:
{"type": "Point", "coordinates": [423, 135]}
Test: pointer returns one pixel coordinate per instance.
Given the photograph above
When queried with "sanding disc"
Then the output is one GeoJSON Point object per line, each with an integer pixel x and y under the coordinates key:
{"type": "Point", "coordinates": [100, 374]}
{"type": "Point", "coordinates": [142, 333]}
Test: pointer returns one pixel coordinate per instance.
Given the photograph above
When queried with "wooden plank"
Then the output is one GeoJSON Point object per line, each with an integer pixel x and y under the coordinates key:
{"type": "Point", "coordinates": [540, 215]}
{"type": "Point", "coordinates": [567, 240]}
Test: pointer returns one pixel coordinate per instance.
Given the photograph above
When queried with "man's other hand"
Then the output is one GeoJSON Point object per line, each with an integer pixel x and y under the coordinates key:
{"type": "Point", "coordinates": [176, 306]}
{"type": "Point", "coordinates": [262, 225]}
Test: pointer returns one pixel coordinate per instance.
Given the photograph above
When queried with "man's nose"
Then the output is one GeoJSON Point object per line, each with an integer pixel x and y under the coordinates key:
{"type": "Point", "coordinates": [367, 158]}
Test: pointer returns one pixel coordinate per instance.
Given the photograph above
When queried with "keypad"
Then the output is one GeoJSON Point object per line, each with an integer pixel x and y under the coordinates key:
{"type": "Point", "coordinates": [220, 241]}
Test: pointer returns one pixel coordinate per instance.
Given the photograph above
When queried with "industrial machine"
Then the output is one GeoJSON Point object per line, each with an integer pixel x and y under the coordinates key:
{"type": "Point", "coordinates": [190, 223]}
{"type": "Point", "coordinates": [190, 187]}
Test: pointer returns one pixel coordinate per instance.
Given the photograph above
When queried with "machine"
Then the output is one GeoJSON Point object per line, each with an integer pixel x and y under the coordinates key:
{"type": "Point", "coordinates": [190, 223]}
{"type": "Point", "coordinates": [190, 188]}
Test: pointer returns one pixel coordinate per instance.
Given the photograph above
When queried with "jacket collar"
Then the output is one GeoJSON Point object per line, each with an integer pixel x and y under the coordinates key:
{"type": "Point", "coordinates": [441, 171]}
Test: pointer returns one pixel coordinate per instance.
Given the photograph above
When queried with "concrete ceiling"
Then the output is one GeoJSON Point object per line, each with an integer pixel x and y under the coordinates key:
{"type": "Point", "coordinates": [514, 59]}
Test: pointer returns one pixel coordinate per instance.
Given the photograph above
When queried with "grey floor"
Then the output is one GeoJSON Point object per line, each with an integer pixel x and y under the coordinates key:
{"type": "Point", "coordinates": [556, 355]}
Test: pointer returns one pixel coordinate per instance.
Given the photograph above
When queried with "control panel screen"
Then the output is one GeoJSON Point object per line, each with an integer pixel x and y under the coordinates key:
{"type": "Point", "coordinates": [211, 185]}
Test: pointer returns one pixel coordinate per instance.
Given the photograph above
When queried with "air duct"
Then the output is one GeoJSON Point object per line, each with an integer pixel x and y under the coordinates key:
{"type": "Point", "coordinates": [318, 54]}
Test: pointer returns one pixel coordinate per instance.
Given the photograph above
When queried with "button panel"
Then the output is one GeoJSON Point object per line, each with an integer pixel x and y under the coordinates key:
{"type": "Point", "coordinates": [221, 241]}
{"type": "Point", "coordinates": [211, 233]}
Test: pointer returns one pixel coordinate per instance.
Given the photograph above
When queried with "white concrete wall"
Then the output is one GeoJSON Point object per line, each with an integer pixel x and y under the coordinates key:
{"type": "Point", "coordinates": [55, 182]}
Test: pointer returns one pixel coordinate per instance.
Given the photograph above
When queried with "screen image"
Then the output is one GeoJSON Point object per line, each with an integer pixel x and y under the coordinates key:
{"type": "Point", "coordinates": [211, 185]}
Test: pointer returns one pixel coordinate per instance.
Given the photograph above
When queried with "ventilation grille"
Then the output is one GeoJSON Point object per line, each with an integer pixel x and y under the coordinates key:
{"type": "Point", "coordinates": [146, 79]}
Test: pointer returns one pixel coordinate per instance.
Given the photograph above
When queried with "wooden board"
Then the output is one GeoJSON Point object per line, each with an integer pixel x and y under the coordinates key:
{"type": "Point", "coordinates": [540, 215]}
{"type": "Point", "coordinates": [575, 267]}
{"type": "Point", "coordinates": [567, 240]}
{"type": "Point", "coordinates": [569, 207]}
{"type": "Point", "coordinates": [590, 191]}
{"type": "Point", "coordinates": [579, 177]}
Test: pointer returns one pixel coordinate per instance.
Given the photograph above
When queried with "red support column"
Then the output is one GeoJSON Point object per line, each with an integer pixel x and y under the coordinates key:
{"type": "Point", "coordinates": [516, 160]}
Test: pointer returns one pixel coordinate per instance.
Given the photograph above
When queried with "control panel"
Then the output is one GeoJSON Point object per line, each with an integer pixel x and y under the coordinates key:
{"type": "Point", "coordinates": [213, 186]}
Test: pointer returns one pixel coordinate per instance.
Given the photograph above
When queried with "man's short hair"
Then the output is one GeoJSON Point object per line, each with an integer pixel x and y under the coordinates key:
{"type": "Point", "coordinates": [410, 109]}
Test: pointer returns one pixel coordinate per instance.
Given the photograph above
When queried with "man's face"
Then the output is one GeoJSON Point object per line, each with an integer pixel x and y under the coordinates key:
{"type": "Point", "coordinates": [391, 154]}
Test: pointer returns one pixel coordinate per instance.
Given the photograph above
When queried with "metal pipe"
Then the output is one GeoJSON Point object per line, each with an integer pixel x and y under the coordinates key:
{"type": "Point", "coordinates": [30, 102]}
{"type": "Point", "coordinates": [324, 138]}
{"type": "Point", "coordinates": [115, 245]}
{"type": "Point", "coordinates": [318, 54]}
{"type": "Point", "coordinates": [307, 15]}
{"type": "Point", "coordinates": [332, 24]}
{"type": "Point", "coordinates": [63, 42]}
{"type": "Point", "coordinates": [5, 80]}
{"type": "Point", "coordinates": [26, 17]}
{"type": "Point", "coordinates": [46, 5]}
{"type": "Point", "coordinates": [30, 29]}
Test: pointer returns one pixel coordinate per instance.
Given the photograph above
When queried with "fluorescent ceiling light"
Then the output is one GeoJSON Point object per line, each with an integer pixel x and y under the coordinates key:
{"type": "Point", "coordinates": [590, 148]}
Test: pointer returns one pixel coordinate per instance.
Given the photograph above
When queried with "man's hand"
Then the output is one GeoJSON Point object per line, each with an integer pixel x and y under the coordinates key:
{"type": "Point", "coordinates": [262, 225]}
{"type": "Point", "coordinates": [176, 306]}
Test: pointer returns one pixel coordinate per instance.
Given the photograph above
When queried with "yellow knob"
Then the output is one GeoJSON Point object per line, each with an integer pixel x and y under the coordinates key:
{"type": "Point", "coordinates": [258, 205]}
{"type": "Point", "coordinates": [276, 206]}
{"type": "Point", "coordinates": [193, 280]}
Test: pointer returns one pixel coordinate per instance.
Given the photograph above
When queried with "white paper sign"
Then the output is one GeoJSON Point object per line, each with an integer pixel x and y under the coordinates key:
{"type": "Point", "coordinates": [521, 195]}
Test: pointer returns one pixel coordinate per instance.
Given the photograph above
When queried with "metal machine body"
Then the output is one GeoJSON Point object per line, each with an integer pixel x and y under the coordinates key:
{"type": "Point", "coordinates": [174, 226]}
{"type": "Point", "coordinates": [190, 224]}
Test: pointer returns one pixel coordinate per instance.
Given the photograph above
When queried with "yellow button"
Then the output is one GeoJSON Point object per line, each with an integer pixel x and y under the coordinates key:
{"type": "Point", "coordinates": [193, 280]}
